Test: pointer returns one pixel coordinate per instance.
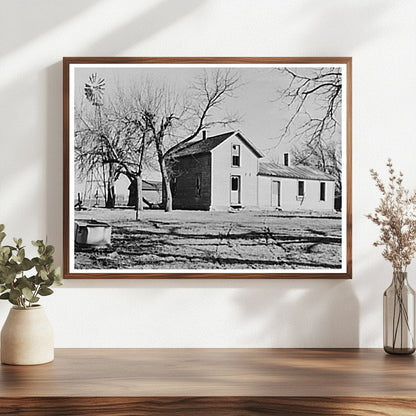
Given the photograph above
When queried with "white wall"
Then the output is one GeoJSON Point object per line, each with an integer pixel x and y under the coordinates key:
{"type": "Point", "coordinates": [222, 172]}
{"type": "Point", "coordinates": [290, 200]}
{"type": "Point", "coordinates": [380, 35]}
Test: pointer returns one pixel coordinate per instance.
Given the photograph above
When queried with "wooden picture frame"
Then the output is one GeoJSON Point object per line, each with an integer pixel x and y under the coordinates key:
{"type": "Point", "coordinates": [278, 218]}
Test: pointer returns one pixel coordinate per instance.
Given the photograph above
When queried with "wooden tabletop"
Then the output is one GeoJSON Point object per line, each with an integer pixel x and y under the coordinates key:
{"type": "Point", "coordinates": [276, 375]}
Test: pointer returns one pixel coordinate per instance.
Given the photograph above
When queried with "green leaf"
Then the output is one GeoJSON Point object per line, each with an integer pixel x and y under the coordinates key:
{"type": "Point", "coordinates": [26, 264]}
{"type": "Point", "coordinates": [2, 227]}
{"type": "Point", "coordinates": [5, 295]}
{"type": "Point", "coordinates": [5, 250]}
{"type": "Point", "coordinates": [24, 282]}
{"type": "Point", "coordinates": [21, 254]}
{"type": "Point", "coordinates": [2, 236]}
{"type": "Point", "coordinates": [13, 302]}
{"type": "Point", "coordinates": [2, 288]}
{"type": "Point", "coordinates": [27, 293]}
{"type": "Point", "coordinates": [58, 280]}
{"type": "Point", "coordinates": [45, 291]}
{"type": "Point", "coordinates": [18, 242]}
{"type": "Point", "coordinates": [15, 294]}
{"type": "Point", "coordinates": [49, 250]}
{"type": "Point", "coordinates": [37, 243]}
{"type": "Point", "coordinates": [43, 275]}
{"type": "Point", "coordinates": [9, 277]}
{"type": "Point", "coordinates": [48, 260]}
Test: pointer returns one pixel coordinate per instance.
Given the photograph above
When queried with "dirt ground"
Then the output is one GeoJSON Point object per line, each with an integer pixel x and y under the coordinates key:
{"type": "Point", "coordinates": [215, 240]}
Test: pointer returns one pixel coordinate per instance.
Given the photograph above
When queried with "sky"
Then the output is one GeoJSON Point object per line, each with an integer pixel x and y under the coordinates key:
{"type": "Point", "coordinates": [256, 101]}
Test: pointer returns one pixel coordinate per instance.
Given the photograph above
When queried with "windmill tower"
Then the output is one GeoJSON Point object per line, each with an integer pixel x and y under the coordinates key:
{"type": "Point", "coordinates": [94, 93]}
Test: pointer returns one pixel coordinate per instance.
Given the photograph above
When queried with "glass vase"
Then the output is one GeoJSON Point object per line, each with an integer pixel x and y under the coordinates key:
{"type": "Point", "coordinates": [399, 316]}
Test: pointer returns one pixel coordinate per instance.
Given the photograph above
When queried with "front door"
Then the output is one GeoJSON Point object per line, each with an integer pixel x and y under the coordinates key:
{"type": "Point", "coordinates": [235, 190]}
{"type": "Point", "coordinates": [275, 193]}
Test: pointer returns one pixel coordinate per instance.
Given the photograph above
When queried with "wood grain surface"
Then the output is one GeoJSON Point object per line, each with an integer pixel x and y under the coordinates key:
{"type": "Point", "coordinates": [212, 381]}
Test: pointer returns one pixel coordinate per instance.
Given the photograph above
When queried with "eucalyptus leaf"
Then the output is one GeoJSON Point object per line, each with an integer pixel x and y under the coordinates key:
{"type": "Point", "coordinates": [2, 226]}
{"type": "Point", "coordinates": [26, 264]}
{"type": "Point", "coordinates": [15, 294]}
{"type": "Point", "coordinates": [9, 277]}
{"type": "Point", "coordinates": [13, 301]}
{"type": "Point", "coordinates": [45, 291]}
{"type": "Point", "coordinates": [16, 283]}
{"type": "Point", "coordinates": [43, 275]}
{"type": "Point", "coordinates": [49, 250]}
{"type": "Point", "coordinates": [21, 255]}
{"type": "Point", "coordinates": [27, 293]}
{"type": "Point", "coordinates": [24, 282]}
{"type": "Point", "coordinates": [58, 280]}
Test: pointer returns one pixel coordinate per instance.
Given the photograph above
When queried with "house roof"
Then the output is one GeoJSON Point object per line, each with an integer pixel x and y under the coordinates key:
{"type": "Point", "coordinates": [210, 143]}
{"type": "Point", "coordinates": [295, 172]}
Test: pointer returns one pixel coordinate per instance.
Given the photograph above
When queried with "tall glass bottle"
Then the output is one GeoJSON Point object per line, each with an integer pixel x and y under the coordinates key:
{"type": "Point", "coordinates": [399, 316]}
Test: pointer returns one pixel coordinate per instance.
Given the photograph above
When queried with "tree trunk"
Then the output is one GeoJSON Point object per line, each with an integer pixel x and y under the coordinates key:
{"type": "Point", "coordinates": [132, 202]}
{"type": "Point", "coordinates": [135, 192]}
{"type": "Point", "coordinates": [111, 192]}
{"type": "Point", "coordinates": [139, 193]}
{"type": "Point", "coordinates": [166, 191]}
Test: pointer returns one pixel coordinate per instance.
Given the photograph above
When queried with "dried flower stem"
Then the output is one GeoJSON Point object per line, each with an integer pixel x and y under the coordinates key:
{"type": "Point", "coordinates": [396, 217]}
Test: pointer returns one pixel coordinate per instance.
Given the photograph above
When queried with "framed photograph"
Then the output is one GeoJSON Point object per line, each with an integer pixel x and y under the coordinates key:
{"type": "Point", "coordinates": [207, 168]}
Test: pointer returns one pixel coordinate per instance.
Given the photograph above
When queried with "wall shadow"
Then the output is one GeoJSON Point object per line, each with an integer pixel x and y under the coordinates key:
{"type": "Point", "coordinates": [302, 314]}
{"type": "Point", "coordinates": [42, 17]}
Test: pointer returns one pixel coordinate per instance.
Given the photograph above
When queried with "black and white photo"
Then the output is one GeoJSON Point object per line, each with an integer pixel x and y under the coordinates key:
{"type": "Point", "coordinates": [210, 167]}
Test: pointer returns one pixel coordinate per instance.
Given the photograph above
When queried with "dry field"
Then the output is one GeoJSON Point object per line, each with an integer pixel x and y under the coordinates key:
{"type": "Point", "coordinates": [215, 240]}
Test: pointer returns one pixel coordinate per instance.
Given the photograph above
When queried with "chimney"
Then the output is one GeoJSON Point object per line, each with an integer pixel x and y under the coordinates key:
{"type": "Point", "coordinates": [286, 159]}
{"type": "Point", "coordinates": [204, 134]}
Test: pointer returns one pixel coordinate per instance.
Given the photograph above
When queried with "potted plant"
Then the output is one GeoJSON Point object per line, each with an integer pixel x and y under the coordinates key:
{"type": "Point", "coordinates": [396, 217]}
{"type": "Point", "coordinates": [27, 336]}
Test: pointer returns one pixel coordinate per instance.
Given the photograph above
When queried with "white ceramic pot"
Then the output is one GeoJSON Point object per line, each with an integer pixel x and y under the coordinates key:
{"type": "Point", "coordinates": [27, 337]}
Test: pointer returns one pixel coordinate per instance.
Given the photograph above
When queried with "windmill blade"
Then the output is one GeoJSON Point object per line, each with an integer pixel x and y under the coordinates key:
{"type": "Point", "coordinates": [94, 90]}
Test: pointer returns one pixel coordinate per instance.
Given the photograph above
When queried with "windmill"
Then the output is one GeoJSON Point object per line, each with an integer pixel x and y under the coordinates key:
{"type": "Point", "coordinates": [94, 93]}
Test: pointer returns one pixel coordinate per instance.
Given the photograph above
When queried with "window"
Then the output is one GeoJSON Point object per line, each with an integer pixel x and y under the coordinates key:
{"type": "Point", "coordinates": [198, 187]}
{"type": "Point", "coordinates": [235, 183]}
{"type": "Point", "coordinates": [235, 152]}
{"type": "Point", "coordinates": [286, 159]}
{"type": "Point", "coordinates": [301, 188]}
{"type": "Point", "coordinates": [322, 191]}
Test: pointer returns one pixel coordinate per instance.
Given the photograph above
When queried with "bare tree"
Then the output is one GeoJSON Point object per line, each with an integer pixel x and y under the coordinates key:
{"type": "Point", "coordinates": [151, 116]}
{"type": "Point", "coordinates": [92, 147]}
{"type": "Point", "coordinates": [173, 123]}
{"type": "Point", "coordinates": [314, 98]}
{"type": "Point", "coordinates": [120, 144]}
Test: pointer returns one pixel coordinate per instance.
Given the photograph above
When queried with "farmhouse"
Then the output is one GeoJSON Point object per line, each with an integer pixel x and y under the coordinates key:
{"type": "Point", "coordinates": [227, 171]}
